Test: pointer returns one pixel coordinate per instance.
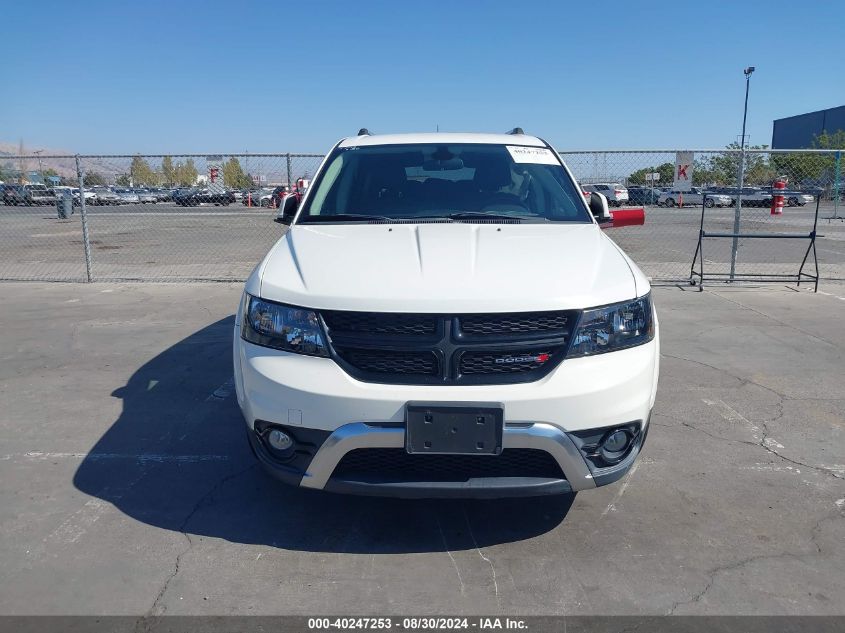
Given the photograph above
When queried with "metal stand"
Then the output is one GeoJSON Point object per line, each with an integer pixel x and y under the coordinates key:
{"type": "Point", "coordinates": [699, 254]}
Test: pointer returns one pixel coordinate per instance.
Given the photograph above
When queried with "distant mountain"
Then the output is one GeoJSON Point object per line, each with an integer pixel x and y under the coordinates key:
{"type": "Point", "coordinates": [65, 167]}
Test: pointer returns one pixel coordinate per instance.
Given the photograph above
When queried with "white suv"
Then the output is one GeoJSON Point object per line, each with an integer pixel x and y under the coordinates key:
{"type": "Point", "coordinates": [616, 194]}
{"type": "Point", "coordinates": [445, 318]}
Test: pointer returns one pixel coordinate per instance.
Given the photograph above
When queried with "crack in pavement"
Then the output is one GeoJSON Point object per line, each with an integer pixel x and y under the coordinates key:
{"type": "Point", "coordinates": [769, 449]}
{"type": "Point", "coordinates": [721, 569]}
{"type": "Point", "coordinates": [768, 446]}
{"type": "Point", "coordinates": [713, 573]}
{"type": "Point", "coordinates": [144, 623]}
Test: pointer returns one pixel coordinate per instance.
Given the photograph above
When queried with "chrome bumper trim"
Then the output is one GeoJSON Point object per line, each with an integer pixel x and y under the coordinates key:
{"type": "Point", "coordinates": [539, 435]}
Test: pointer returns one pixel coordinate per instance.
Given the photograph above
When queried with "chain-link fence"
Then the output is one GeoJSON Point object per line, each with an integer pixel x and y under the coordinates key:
{"type": "Point", "coordinates": [665, 245]}
{"type": "Point", "coordinates": [155, 218]}
{"type": "Point", "coordinates": [209, 217]}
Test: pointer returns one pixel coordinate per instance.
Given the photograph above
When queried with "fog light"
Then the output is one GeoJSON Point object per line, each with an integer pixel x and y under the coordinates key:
{"type": "Point", "coordinates": [279, 440]}
{"type": "Point", "coordinates": [615, 445]}
{"type": "Point", "coordinates": [616, 441]}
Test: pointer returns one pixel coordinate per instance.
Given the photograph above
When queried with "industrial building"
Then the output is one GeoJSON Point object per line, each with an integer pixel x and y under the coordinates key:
{"type": "Point", "coordinates": [799, 132]}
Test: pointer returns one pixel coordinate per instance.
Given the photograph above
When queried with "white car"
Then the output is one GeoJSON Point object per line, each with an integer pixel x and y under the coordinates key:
{"type": "Point", "coordinates": [445, 318]}
{"type": "Point", "coordinates": [616, 194]}
{"type": "Point", "coordinates": [695, 197]}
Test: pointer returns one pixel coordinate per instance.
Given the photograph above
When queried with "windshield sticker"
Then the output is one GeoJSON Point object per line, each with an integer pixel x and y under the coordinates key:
{"type": "Point", "coordinates": [541, 155]}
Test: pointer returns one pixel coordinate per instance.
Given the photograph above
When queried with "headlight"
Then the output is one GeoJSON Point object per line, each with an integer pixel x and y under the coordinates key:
{"type": "Point", "coordinates": [614, 327]}
{"type": "Point", "coordinates": [282, 327]}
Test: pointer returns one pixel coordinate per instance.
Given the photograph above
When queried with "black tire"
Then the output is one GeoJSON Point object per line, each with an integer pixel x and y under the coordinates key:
{"type": "Point", "coordinates": [709, 203]}
{"type": "Point", "coordinates": [670, 202]}
{"type": "Point", "coordinates": [793, 202]}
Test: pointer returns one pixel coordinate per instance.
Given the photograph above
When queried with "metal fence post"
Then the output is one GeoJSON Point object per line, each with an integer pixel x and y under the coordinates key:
{"type": "Point", "coordinates": [85, 241]}
{"type": "Point", "coordinates": [836, 178]}
{"type": "Point", "coordinates": [290, 182]}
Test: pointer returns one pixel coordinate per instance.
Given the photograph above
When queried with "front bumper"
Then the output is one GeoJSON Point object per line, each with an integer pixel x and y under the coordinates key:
{"type": "Point", "coordinates": [314, 397]}
{"type": "Point", "coordinates": [318, 471]}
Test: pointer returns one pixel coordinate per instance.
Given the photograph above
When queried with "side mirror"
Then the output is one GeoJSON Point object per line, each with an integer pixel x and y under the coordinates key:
{"type": "Point", "coordinates": [290, 205]}
{"type": "Point", "coordinates": [599, 208]}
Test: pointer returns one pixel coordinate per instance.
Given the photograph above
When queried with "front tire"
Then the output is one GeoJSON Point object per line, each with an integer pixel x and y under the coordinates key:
{"type": "Point", "coordinates": [709, 203]}
{"type": "Point", "coordinates": [670, 202]}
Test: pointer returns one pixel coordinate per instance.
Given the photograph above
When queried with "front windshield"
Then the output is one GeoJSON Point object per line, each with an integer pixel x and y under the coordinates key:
{"type": "Point", "coordinates": [425, 181]}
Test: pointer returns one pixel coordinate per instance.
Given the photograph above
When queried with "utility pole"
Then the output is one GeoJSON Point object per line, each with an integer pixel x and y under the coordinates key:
{"type": "Point", "coordinates": [741, 177]}
{"type": "Point", "coordinates": [21, 165]}
{"type": "Point", "coordinates": [38, 152]}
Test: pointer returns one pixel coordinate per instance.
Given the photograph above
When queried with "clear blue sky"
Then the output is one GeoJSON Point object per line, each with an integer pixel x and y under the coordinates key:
{"type": "Point", "coordinates": [184, 76]}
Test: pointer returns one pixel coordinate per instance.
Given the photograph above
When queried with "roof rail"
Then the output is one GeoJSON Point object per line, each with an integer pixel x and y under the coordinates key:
{"type": "Point", "coordinates": [363, 132]}
{"type": "Point", "coordinates": [516, 130]}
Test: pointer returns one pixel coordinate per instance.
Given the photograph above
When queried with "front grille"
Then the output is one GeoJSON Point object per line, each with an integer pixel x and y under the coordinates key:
{"type": "Point", "coordinates": [381, 323]}
{"type": "Point", "coordinates": [448, 349]}
{"type": "Point", "coordinates": [387, 362]}
{"type": "Point", "coordinates": [503, 362]}
{"type": "Point", "coordinates": [382, 465]}
{"type": "Point", "coordinates": [518, 323]}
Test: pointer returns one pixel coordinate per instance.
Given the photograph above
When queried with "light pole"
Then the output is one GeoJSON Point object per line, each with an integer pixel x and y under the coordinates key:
{"type": "Point", "coordinates": [37, 152]}
{"type": "Point", "coordinates": [738, 210]}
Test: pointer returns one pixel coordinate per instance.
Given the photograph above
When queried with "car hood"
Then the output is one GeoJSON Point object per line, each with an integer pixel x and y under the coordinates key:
{"type": "Point", "coordinates": [446, 268]}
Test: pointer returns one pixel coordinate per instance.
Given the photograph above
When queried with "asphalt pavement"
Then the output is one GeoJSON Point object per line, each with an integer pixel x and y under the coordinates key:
{"type": "Point", "coordinates": [127, 486]}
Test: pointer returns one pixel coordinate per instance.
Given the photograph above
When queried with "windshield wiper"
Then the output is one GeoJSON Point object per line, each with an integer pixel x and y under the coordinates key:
{"type": "Point", "coordinates": [481, 215]}
{"type": "Point", "coordinates": [347, 217]}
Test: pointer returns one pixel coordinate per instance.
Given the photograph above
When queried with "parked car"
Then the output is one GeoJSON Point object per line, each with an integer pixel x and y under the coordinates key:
{"type": "Point", "coordinates": [88, 194]}
{"type": "Point", "coordinates": [195, 197]}
{"type": "Point", "coordinates": [695, 196]}
{"type": "Point", "coordinates": [615, 193]}
{"type": "Point", "coordinates": [145, 196]}
{"type": "Point", "coordinates": [494, 341]}
{"type": "Point", "coordinates": [276, 195]}
{"type": "Point", "coordinates": [753, 197]}
{"type": "Point", "coordinates": [642, 195]}
{"type": "Point", "coordinates": [103, 196]}
{"type": "Point", "coordinates": [27, 195]}
{"type": "Point", "coordinates": [127, 196]}
{"type": "Point", "coordinates": [13, 194]}
{"type": "Point", "coordinates": [258, 197]}
{"type": "Point", "coordinates": [250, 196]}
{"type": "Point", "coordinates": [792, 198]}
{"type": "Point", "coordinates": [162, 194]}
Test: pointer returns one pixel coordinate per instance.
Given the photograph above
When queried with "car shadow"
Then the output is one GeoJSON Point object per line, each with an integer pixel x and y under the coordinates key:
{"type": "Point", "coordinates": [177, 458]}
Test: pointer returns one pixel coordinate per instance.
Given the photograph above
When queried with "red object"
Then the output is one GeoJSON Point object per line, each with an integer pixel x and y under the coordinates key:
{"type": "Point", "coordinates": [249, 198]}
{"type": "Point", "coordinates": [213, 172]}
{"type": "Point", "coordinates": [626, 217]}
{"type": "Point", "coordinates": [777, 196]}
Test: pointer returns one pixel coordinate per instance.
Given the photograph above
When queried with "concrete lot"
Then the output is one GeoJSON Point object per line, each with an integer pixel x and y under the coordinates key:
{"type": "Point", "coordinates": [166, 242]}
{"type": "Point", "coordinates": [127, 486]}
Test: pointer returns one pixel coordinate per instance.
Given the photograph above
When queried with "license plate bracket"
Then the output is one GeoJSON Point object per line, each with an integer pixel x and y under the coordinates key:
{"type": "Point", "coordinates": [465, 429]}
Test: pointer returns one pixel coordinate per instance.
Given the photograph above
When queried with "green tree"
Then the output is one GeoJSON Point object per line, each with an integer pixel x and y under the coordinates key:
{"type": "Point", "coordinates": [725, 167]}
{"type": "Point", "coordinates": [7, 172]}
{"type": "Point", "coordinates": [234, 176]}
{"type": "Point", "coordinates": [185, 174]}
{"type": "Point", "coordinates": [168, 173]}
{"type": "Point", "coordinates": [93, 178]}
{"type": "Point", "coordinates": [812, 168]}
{"type": "Point", "coordinates": [123, 180]}
{"type": "Point", "coordinates": [142, 173]}
{"type": "Point", "coordinates": [666, 171]}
